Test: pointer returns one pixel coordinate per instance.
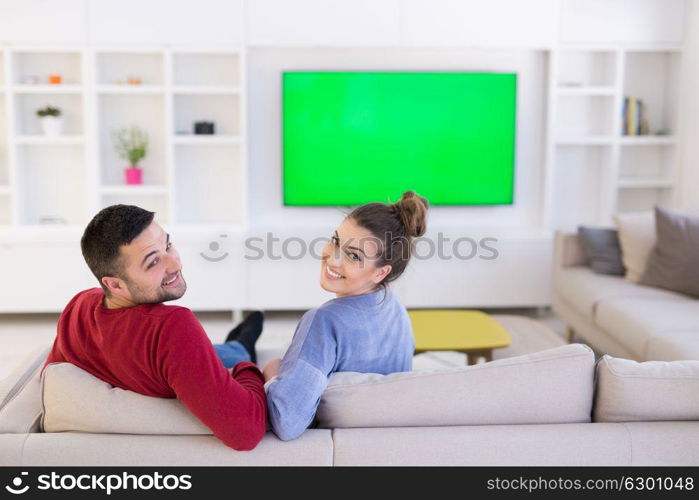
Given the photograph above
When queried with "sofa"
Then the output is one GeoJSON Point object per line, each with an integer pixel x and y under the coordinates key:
{"type": "Point", "coordinates": [618, 317]}
{"type": "Point", "coordinates": [558, 406]}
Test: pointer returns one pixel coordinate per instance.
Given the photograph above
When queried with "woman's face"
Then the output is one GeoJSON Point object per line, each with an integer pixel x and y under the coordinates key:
{"type": "Point", "coordinates": [348, 266]}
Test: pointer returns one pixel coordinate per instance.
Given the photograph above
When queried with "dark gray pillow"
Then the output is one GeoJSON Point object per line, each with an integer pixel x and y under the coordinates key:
{"type": "Point", "coordinates": [601, 247]}
{"type": "Point", "coordinates": [674, 262]}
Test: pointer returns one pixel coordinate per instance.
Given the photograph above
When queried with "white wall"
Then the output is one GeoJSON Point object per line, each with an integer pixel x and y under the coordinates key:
{"type": "Point", "coordinates": [264, 127]}
{"type": "Point", "coordinates": [689, 156]}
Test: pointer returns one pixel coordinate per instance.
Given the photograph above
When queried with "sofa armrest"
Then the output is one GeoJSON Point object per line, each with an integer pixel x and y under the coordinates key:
{"type": "Point", "coordinates": [20, 395]}
{"type": "Point", "coordinates": [567, 251]}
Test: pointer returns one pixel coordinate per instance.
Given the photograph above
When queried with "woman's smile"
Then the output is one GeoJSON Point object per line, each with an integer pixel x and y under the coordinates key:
{"type": "Point", "coordinates": [332, 274]}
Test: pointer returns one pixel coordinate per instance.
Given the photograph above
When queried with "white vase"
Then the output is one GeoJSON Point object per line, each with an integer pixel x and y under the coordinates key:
{"type": "Point", "coordinates": [51, 125]}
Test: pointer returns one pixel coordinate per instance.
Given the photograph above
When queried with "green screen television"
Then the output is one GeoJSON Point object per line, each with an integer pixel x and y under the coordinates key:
{"type": "Point", "coordinates": [356, 137]}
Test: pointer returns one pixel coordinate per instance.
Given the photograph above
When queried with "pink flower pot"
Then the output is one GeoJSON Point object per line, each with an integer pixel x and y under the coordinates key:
{"type": "Point", "coordinates": [134, 175]}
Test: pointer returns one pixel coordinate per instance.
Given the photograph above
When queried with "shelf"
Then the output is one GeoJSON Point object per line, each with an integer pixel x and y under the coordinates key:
{"type": "Point", "coordinates": [653, 78]}
{"type": "Point", "coordinates": [585, 115]}
{"type": "Point", "coordinates": [118, 67]}
{"type": "Point", "coordinates": [203, 68]}
{"type": "Point", "coordinates": [223, 110]}
{"type": "Point", "coordinates": [130, 89]}
{"type": "Point", "coordinates": [40, 63]}
{"type": "Point", "coordinates": [587, 67]}
{"type": "Point", "coordinates": [117, 111]}
{"type": "Point", "coordinates": [42, 139]}
{"type": "Point", "coordinates": [207, 89]}
{"type": "Point", "coordinates": [586, 90]}
{"type": "Point", "coordinates": [138, 190]}
{"type": "Point", "coordinates": [648, 140]}
{"type": "Point", "coordinates": [645, 183]}
{"type": "Point", "coordinates": [640, 200]}
{"type": "Point", "coordinates": [585, 141]}
{"type": "Point", "coordinates": [26, 105]}
{"type": "Point", "coordinates": [51, 185]}
{"type": "Point", "coordinates": [206, 139]}
{"type": "Point", "coordinates": [47, 89]}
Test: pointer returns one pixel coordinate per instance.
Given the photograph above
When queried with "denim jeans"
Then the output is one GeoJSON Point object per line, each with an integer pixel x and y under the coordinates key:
{"type": "Point", "coordinates": [231, 353]}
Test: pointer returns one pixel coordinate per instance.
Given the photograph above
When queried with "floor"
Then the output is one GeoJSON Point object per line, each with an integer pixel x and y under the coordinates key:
{"type": "Point", "coordinates": [20, 334]}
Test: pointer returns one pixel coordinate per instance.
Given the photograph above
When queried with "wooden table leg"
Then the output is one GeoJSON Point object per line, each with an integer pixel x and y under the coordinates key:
{"type": "Point", "coordinates": [472, 356]}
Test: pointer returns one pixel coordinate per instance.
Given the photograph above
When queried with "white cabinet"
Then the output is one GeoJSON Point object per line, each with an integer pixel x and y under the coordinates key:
{"type": "Point", "coordinates": [44, 21]}
{"type": "Point", "coordinates": [622, 21]}
{"type": "Point", "coordinates": [452, 23]}
{"type": "Point", "coordinates": [323, 22]}
{"type": "Point", "coordinates": [204, 22]}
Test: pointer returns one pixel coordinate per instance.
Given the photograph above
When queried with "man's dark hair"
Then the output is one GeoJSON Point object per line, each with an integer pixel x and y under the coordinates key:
{"type": "Point", "coordinates": [112, 227]}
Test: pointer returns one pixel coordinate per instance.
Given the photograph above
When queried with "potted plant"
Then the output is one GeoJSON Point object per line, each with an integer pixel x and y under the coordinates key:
{"type": "Point", "coordinates": [51, 121]}
{"type": "Point", "coordinates": [131, 144]}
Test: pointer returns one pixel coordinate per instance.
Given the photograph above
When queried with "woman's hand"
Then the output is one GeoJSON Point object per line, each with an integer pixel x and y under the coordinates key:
{"type": "Point", "coordinates": [271, 368]}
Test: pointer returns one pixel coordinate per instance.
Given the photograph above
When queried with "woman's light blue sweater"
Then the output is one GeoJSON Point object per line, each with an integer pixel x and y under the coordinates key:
{"type": "Point", "coordinates": [368, 333]}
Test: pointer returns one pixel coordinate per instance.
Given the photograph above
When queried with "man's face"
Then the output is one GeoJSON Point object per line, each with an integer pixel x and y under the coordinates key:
{"type": "Point", "coordinates": [152, 269]}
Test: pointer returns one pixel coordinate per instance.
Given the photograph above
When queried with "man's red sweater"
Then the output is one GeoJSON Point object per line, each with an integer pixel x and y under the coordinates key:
{"type": "Point", "coordinates": [163, 351]}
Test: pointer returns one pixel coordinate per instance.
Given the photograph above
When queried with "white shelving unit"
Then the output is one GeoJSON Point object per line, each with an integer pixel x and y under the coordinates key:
{"type": "Point", "coordinates": [595, 170]}
{"type": "Point", "coordinates": [189, 180]}
{"type": "Point", "coordinates": [594, 54]}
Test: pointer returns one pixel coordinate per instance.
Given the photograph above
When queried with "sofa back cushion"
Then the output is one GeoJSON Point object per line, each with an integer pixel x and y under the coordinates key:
{"type": "Point", "coordinates": [551, 386]}
{"type": "Point", "coordinates": [629, 391]}
{"type": "Point", "coordinates": [75, 400]}
{"type": "Point", "coordinates": [513, 390]}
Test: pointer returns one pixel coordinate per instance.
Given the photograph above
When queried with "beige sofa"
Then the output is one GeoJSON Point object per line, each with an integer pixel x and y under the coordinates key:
{"type": "Point", "coordinates": [554, 407]}
{"type": "Point", "coordinates": [618, 317]}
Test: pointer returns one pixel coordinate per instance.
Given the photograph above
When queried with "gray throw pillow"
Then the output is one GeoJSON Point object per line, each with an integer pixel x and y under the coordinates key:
{"type": "Point", "coordinates": [674, 262]}
{"type": "Point", "coordinates": [601, 247]}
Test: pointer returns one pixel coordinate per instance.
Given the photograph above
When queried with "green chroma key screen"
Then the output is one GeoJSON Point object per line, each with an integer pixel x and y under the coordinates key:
{"type": "Point", "coordinates": [355, 137]}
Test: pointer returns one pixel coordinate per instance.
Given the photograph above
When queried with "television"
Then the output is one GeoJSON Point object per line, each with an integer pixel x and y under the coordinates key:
{"type": "Point", "coordinates": [351, 138]}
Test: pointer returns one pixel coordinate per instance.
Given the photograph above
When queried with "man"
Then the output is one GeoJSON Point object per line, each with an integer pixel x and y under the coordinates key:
{"type": "Point", "coordinates": [125, 335]}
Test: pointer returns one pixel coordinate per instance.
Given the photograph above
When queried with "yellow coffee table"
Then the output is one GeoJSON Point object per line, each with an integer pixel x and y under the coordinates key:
{"type": "Point", "coordinates": [471, 332]}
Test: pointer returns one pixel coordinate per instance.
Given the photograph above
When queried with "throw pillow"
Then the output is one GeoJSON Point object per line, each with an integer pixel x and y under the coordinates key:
{"type": "Point", "coordinates": [636, 238]}
{"type": "Point", "coordinates": [601, 247]}
{"type": "Point", "coordinates": [674, 262]}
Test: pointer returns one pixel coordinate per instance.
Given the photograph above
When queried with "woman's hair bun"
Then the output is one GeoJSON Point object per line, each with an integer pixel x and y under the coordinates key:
{"type": "Point", "coordinates": [412, 211]}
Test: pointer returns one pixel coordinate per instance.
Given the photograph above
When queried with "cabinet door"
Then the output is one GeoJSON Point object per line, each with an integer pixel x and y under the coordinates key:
{"type": "Point", "coordinates": [41, 277]}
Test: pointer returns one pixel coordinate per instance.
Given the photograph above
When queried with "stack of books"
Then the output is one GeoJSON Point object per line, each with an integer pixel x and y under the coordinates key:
{"type": "Point", "coordinates": [633, 117]}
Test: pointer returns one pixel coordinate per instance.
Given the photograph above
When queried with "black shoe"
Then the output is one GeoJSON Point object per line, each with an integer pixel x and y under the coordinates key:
{"type": "Point", "coordinates": [249, 320]}
{"type": "Point", "coordinates": [247, 333]}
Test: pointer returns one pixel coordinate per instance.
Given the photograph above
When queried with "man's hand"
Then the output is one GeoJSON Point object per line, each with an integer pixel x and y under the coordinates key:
{"type": "Point", "coordinates": [271, 368]}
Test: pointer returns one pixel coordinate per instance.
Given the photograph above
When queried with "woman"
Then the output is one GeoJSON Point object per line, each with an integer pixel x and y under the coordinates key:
{"type": "Point", "coordinates": [365, 328]}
